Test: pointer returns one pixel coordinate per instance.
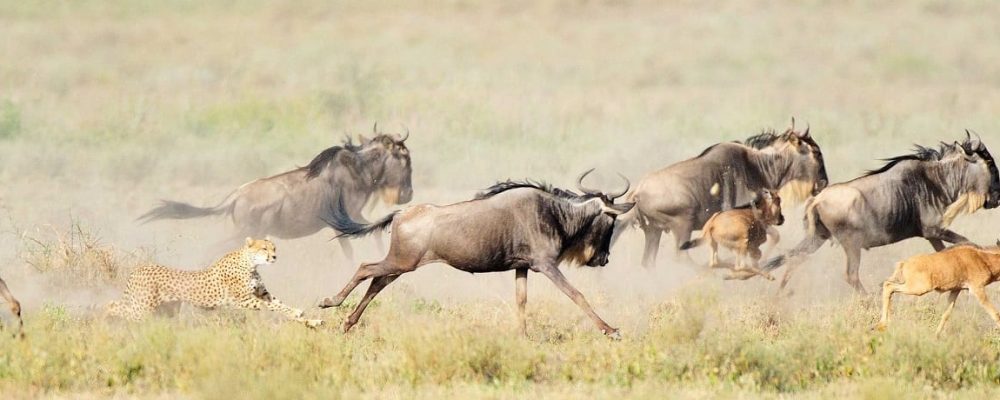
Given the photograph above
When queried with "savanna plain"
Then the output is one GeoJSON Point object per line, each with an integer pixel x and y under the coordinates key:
{"type": "Point", "coordinates": [108, 106]}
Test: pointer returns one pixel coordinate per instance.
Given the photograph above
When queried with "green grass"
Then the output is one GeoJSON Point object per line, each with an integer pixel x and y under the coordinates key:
{"type": "Point", "coordinates": [749, 350]}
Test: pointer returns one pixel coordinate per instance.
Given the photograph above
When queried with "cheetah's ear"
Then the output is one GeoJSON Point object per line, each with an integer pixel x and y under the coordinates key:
{"type": "Point", "coordinates": [268, 238]}
{"type": "Point", "coordinates": [249, 240]}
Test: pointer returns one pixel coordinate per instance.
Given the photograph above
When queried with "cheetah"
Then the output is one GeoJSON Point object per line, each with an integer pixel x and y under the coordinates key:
{"type": "Point", "coordinates": [231, 281]}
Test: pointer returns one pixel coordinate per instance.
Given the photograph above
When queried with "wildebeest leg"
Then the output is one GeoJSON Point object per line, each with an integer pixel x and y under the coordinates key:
{"type": "Point", "coordinates": [682, 234]}
{"type": "Point", "coordinates": [794, 258]}
{"type": "Point", "coordinates": [943, 234]}
{"type": "Point", "coordinates": [376, 286]}
{"type": "Point", "coordinates": [853, 253]}
{"type": "Point", "coordinates": [345, 246]}
{"type": "Point", "coordinates": [653, 235]}
{"type": "Point", "coordinates": [365, 271]}
{"type": "Point", "coordinates": [980, 294]}
{"type": "Point", "coordinates": [521, 283]}
{"type": "Point", "coordinates": [937, 244]}
{"type": "Point", "coordinates": [15, 306]}
{"type": "Point", "coordinates": [952, 296]}
{"type": "Point", "coordinates": [560, 281]}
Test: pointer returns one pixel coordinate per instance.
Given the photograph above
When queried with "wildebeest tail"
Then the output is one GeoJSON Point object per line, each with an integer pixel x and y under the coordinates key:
{"type": "Point", "coordinates": [169, 209]}
{"type": "Point", "coordinates": [341, 221]}
{"type": "Point", "coordinates": [690, 244]}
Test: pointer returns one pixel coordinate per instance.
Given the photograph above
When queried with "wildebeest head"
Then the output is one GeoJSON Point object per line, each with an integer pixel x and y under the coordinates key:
{"type": "Point", "coordinates": [594, 246]}
{"type": "Point", "coordinates": [807, 171]}
{"type": "Point", "coordinates": [391, 166]}
{"type": "Point", "coordinates": [976, 146]}
{"type": "Point", "coordinates": [766, 206]}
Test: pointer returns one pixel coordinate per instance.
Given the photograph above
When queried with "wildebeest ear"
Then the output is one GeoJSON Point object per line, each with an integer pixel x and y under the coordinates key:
{"type": "Point", "coordinates": [268, 238]}
{"type": "Point", "coordinates": [249, 240]}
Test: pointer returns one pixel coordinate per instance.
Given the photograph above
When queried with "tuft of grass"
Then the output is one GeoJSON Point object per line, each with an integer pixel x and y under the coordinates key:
{"type": "Point", "coordinates": [77, 256]}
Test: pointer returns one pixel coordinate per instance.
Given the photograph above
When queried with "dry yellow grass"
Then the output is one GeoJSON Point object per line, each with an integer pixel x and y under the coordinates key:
{"type": "Point", "coordinates": [107, 106]}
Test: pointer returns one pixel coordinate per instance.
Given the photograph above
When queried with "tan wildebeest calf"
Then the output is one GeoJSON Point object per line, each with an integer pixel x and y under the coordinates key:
{"type": "Point", "coordinates": [15, 306]}
{"type": "Point", "coordinates": [743, 230]}
{"type": "Point", "coordinates": [951, 270]}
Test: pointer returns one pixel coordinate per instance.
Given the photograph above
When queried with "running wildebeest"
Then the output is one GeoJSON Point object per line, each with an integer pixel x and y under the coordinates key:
{"type": "Point", "coordinates": [958, 268]}
{"type": "Point", "coordinates": [512, 225]}
{"type": "Point", "coordinates": [294, 204]}
{"type": "Point", "coordinates": [15, 306]}
{"type": "Point", "coordinates": [913, 195]}
{"type": "Point", "coordinates": [743, 230]}
{"type": "Point", "coordinates": [682, 197]}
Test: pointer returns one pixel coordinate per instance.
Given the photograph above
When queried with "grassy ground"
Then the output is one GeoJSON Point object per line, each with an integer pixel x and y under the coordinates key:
{"type": "Point", "coordinates": [107, 106]}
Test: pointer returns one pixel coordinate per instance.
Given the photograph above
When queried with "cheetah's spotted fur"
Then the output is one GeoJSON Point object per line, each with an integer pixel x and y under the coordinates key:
{"type": "Point", "coordinates": [231, 281]}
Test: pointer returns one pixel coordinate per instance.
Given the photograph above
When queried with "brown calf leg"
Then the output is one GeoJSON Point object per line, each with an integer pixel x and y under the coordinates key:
{"type": "Point", "coordinates": [560, 281]}
{"type": "Point", "coordinates": [376, 286]}
{"type": "Point", "coordinates": [713, 260]}
{"type": "Point", "coordinates": [888, 288]}
{"type": "Point", "coordinates": [952, 296]}
{"type": "Point", "coordinates": [980, 294]}
{"type": "Point", "coordinates": [521, 283]}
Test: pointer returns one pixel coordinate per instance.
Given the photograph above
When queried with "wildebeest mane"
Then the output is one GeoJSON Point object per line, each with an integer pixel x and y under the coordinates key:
{"type": "Point", "coordinates": [920, 153]}
{"type": "Point", "coordinates": [319, 163]}
{"type": "Point", "coordinates": [501, 187]}
{"type": "Point", "coordinates": [763, 139]}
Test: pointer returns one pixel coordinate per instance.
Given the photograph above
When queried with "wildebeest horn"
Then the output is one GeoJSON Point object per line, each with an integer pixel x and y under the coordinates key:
{"type": "Point", "coordinates": [403, 138]}
{"type": "Point", "coordinates": [615, 195]}
{"type": "Point", "coordinates": [793, 125]}
{"type": "Point", "coordinates": [806, 133]}
{"type": "Point", "coordinates": [375, 128]}
{"type": "Point", "coordinates": [579, 183]}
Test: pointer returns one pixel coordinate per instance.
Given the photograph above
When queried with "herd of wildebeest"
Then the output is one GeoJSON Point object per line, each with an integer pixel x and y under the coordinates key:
{"type": "Point", "coordinates": [731, 192]}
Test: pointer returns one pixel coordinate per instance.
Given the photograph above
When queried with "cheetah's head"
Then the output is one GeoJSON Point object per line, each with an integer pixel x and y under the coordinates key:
{"type": "Point", "coordinates": [262, 250]}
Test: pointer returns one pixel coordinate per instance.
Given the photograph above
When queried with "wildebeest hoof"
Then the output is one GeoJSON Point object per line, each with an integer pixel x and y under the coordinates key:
{"type": "Point", "coordinates": [614, 335]}
{"type": "Point", "coordinates": [329, 302]}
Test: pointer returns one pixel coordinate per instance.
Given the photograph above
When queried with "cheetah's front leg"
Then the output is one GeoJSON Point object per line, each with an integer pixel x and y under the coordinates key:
{"type": "Point", "coordinates": [273, 304]}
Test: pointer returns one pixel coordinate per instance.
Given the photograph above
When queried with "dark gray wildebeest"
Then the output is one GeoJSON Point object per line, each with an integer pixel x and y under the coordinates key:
{"type": "Point", "coordinates": [295, 203]}
{"type": "Point", "coordinates": [682, 197]}
{"type": "Point", "coordinates": [913, 195]}
{"type": "Point", "coordinates": [518, 226]}
{"type": "Point", "coordinates": [15, 306]}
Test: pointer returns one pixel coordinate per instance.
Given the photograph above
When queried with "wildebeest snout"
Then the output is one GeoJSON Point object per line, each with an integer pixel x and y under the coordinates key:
{"type": "Point", "coordinates": [992, 199]}
{"type": "Point", "coordinates": [405, 194]}
{"type": "Point", "coordinates": [598, 260]}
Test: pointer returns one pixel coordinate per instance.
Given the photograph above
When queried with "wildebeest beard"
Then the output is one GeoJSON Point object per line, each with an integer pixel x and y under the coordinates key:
{"type": "Point", "coordinates": [592, 245]}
